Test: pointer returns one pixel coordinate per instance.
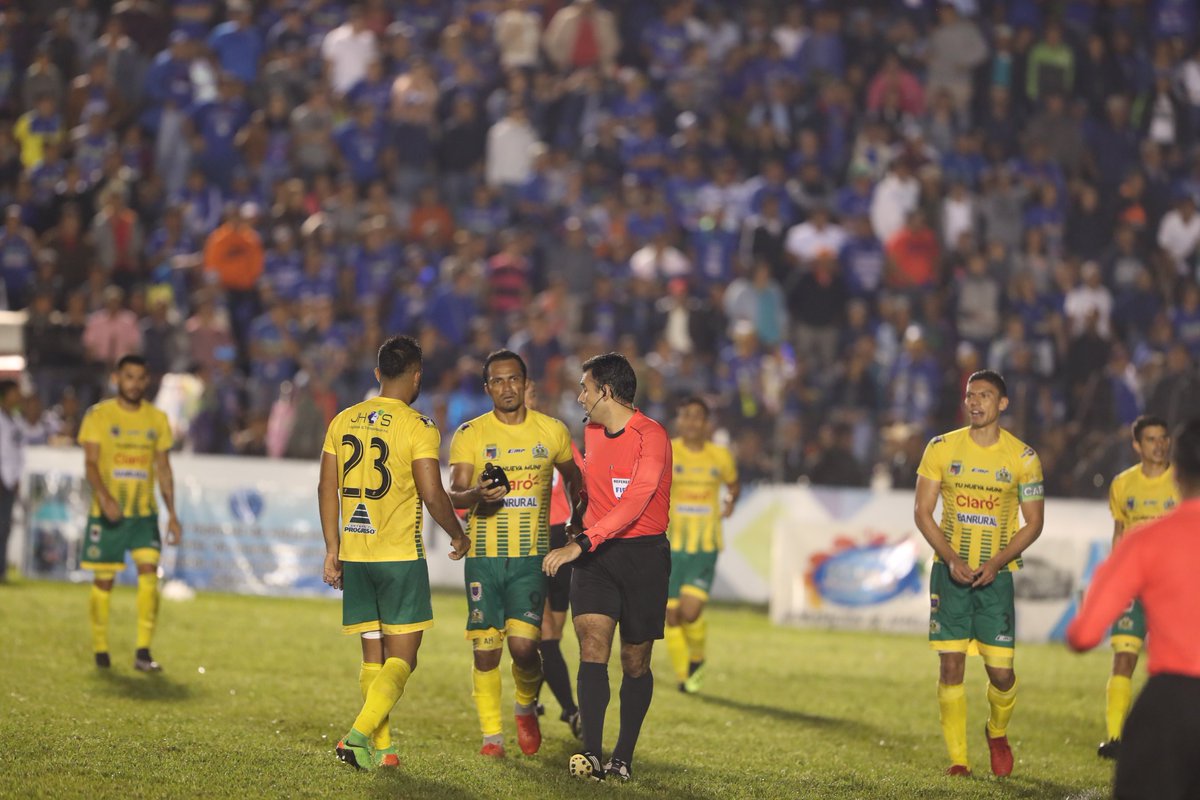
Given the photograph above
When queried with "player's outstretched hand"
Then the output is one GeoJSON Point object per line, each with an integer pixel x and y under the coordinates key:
{"type": "Point", "coordinates": [333, 571]}
{"type": "Point", "coordinates": [174, 530]}
{"type": "Point", "coordinates": [461, 545]}
{"type": "Point", "coordinates": [960, 572]}
{"type": "Point", "coordinates": [562, 555]}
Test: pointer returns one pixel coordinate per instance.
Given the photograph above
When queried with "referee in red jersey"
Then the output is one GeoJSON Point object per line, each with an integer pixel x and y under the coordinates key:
{"type": "Point", "coordinates": [624, 559]}
{"type": "Point", "coordinates": [1159, 564]}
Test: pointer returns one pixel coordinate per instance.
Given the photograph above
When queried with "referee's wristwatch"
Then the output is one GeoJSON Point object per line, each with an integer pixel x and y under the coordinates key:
{"type": "Point", "coordinates": [581, 539]}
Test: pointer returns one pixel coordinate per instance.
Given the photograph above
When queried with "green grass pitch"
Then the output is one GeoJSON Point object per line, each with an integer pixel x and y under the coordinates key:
{"type": "Point", "coordinates": [785, 713]}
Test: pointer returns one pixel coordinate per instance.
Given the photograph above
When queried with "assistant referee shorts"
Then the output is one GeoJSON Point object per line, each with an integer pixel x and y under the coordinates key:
{"type": "Point", "coordinates": [1160, 746]}
{"type": "Point", "coordinates": [626, 579]}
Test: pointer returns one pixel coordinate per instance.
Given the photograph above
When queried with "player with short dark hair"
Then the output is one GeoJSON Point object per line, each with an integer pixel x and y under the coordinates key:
{"type": "Point", "coordinates": [1159, 757]}
{"type": "Point", "coordinates": [126, 442]}
{"type": "Point", "coordinates": [701, 469]}
{"type": "Point", "coordinates": [1140, 494]}
{"type": "Point", "coordinates": [509, 522]}
{"type": "Point", "coordinates": [983, 475]}
{"type": "Point", "coordinates": [622, 559]}
{"type": "Point", "coordinates": [378, 466]}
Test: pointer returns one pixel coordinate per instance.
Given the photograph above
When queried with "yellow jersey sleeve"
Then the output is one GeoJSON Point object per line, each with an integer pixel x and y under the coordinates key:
{"type": "Point", "coordinates": [1031, 484]}
{"type": "Point", "coordinates": [462, 446]}
{"type": "Point", "coordinates": [426, 439]}
{"type": "Point", "coordinates": [164, 441]}
{"type": "Point", "coordinates": [332, 437]}
{"type": "Point", "coordinates": [729, 473]}
{"type": "Point", "coordinates": [91, 429]}
{"type": "Point", "coordinates": [932, 461]}
{"type": "Point", "coordinates": [561, 453]}
{"type": "Point", "coordinates": [1115, 506]}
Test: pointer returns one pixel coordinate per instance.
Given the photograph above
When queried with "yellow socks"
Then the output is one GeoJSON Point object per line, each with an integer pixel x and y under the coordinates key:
{"type": "Point", "coordinates": [1002, 704]}
{"type": "Point", "coordinates": [697, 637]}
{"type": "Point", "coordinates": [952, 700]}
{"type": "Point", "coordinates": [526, 684]}
{"type": "Point", "coordinates": [381, 737]}
{"type": "Point", "coordinates": [1118, 698]}
{"type": "Point", "coordinates": [147, 607]}
{"type": "Point", "coordinates": [382, 695]}
{"type": "Point", "coordinates": [486, 691]}
{"type": "Point", "coordinates": [98, 606]}
{"type": "Point", "coordinates": [677, 649]}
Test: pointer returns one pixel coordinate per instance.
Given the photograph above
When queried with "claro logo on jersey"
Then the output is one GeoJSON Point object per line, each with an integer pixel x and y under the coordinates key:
{"type": "Point", "coordinates": [973, 506]}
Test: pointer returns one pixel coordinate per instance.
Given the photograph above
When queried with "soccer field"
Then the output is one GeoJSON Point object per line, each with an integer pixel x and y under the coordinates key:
{"type": "Point", "coordinates": [256, 691]}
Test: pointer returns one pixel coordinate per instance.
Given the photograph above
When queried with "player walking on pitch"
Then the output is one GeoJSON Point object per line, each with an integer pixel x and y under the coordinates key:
{"type": "Point", "coordinates": [701, 469]}
{"type": "Point", "coordinates": [1140, 494]}
{"type": "Point", "coordinates": [983, 475]}
{"type": "Point", "coordinates": [622, 559]}
{"type": "Point", "coordinates": [125, 444]}
{"type": "Point", "coordinates": [506, 590]}
{"type": "Point", "coordinates": [380, 463]}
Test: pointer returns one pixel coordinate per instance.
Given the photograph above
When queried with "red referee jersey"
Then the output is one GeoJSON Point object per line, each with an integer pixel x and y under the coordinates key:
{"type": "Point", "coordinates": [1159, 564]}
{"type": "Point", "coordinates": [628, 480]}
{"type": "Point", "coordinates": [560, 504]}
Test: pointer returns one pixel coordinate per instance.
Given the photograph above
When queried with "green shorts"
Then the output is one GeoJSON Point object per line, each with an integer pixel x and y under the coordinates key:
{"type": "Point", "coordinates": [691, 573]}
{"type": "Point", "coordinates": [106, 542]}
{"type": "Point", "coordinates": [504, 595]}
{"type": "Point", "coordinates": [387, 596]}
{"type": "Point", "coordinates": [967, 620]}
{"type": "Point", "coordinates": [1129, 631]}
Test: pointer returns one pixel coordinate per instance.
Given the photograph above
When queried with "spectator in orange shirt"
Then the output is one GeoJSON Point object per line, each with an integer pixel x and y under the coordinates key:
{"type": "Point", "coordinates": [431, 220]}
{"type": "Point", "coordinates": [234, 252]}
{"type": "Point", "coordinates": [913, 255]}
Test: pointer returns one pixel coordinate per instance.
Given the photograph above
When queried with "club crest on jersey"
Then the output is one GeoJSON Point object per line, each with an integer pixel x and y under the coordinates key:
{"type": "Point", "coordinates": [540, 451]}
{"type": "Point", "coordinates": [956, 468]}
{"type": "Point", "coordinates": [935, 602]}
{"type": "Point", "coordinates": [115, 430]}
{"type": "Point", "coordinates": [476, 591]}
{"type": "Point", "coordinates": [491, 451]}
{"type": "Point", "coordinates": [152, 434]}
{"type": "Point", "coordinates": [93, 551]}
{"type": "Point", "coordinates": [1130, 503]}
{"type": "Point", "coordinates": [1169, 504]}
{"type": "Point", "coordinates": [1003, 475]}
{"type": "Point", "coordinates": [94, 533]}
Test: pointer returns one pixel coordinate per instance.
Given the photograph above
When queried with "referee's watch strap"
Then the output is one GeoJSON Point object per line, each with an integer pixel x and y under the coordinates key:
{"type": "Point", "coordinates": [585, 544]}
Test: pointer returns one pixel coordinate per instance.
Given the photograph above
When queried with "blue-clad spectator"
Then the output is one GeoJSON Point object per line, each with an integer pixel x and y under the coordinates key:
{"type": "Point", "coordinates": [237, 43]}
{"type": "Point", "coordinates": [217, 124]}
{"type": "Point", "coordinates": [18, 258]}
{"type": "Point", "coordinates": [375, 88]}
{"type": "Point", "coordinates": [862, 260]}
{"type": "Point", "coordinates": [375, 263]}
{"type": "Point", "coordinates": [644, 152]}
{"type": "Point", "coordinates": [454, 309]}
{"type": "Point", "coordinates": [362, 143]}
{"type": "Point", "coordinates": [665, 41]}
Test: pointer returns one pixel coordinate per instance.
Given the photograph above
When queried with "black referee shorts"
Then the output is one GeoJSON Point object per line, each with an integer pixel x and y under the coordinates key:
{"type": "Point", "coordinates": [560, 584]}
{"type": "Point", "coordinates": [626, 579]}
{"type": "Point", "coordinates": [1160, 746]}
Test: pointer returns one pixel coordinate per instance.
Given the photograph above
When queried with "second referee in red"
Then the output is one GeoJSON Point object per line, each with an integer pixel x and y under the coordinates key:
{"type": "Point", "coordinates": [624, 559]}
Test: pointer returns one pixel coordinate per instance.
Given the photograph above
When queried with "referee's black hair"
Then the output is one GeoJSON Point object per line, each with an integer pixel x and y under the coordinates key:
{"type": "Point", "coordinates": [992, 377]}
{"type": "Point", "coordinates": [614, 371]}
{"type": "Point", "coordinates": [397, 356]}
{"type": "Point", "coordinates": [131, 359]}
{"type": "Point", "coordinates": [7, 385]}
{"type": "Point", "coordinates": [503, 355]}
{"type": "Point", "coordinates": [694, 400]}
{"type": "Point", "coordinates": [1187, 451]}
{"type": "Point", "coordinates": [1146, 421]}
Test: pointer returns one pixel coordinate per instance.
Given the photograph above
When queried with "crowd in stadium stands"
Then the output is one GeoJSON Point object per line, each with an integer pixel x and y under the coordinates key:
{"type": "Point", "coordinates": [821, 215]}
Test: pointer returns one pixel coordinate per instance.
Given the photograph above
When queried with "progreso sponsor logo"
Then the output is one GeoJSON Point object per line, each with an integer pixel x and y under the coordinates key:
{"type": "Point", "coordinates": [976, 504]}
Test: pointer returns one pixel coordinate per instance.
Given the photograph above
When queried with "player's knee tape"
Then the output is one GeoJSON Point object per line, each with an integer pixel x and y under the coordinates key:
{"type": "Point", "coordinates": [490, 639]}
{"type": "Point", "coordinates": [372, 634]}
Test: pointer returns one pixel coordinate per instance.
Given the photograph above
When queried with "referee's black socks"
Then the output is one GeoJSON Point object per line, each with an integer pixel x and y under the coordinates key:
{"type": "Point", "coordinates": [593, 702]}
{"type": "Point", "coordinates": [557, 677]}
{"type": "Point", "coordinates": [636, 694]}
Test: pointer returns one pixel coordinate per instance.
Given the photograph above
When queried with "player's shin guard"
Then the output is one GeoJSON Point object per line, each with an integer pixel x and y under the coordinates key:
{"type": "Point", "coordinates": [526, 684]}
{"type": "Point", "coordinates": [594, 693]}
{"type": "Point", "coordinates": [554, 667]}
{"type": "Point", "coordinates": [486, 691]}
{"type": "Point", "coordinates": [697, 638]}
{"type": "Point", "coordinates": [1116, 708]}
{"type": "Point", "coordinates": [385, 690]}
{"type": "Point", "coordinates": [677, 650]}
{"type": "Point", "coordinates": [952, 701]}
{"type": "Point", "coordinates": [381, 737]}
{"type": "Point", "coordinates": [636, 694]}
{"type": "Point", "coordinates": [147, 607]}
{"type": "Point", "coordinates": [1002, 704]}
{"type": "Point", "coordinates": [98, 606]}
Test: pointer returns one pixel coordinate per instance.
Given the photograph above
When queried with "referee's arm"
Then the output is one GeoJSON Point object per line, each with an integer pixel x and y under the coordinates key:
{"type": "Point", "coordinates": [1116, 583]}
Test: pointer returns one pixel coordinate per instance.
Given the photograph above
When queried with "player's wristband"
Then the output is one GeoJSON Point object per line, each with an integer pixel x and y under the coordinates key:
{"type": "Point", "coordinates": [585, 544]}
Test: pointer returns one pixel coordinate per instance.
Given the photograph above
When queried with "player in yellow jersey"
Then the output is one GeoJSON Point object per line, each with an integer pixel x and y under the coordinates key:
{"type": "Point", "coordinates": [983, 476]}
{"type": "Point", "coordinates": [125, 444]}
{"type": "Point", "coordinates": [1142, 493]}
{"type": "Point", "coordinates": [701, 469]}
{"type": "Point", "coordinates": [510, 529]}
{"type": "Point", "coordinates": [379, 465]}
